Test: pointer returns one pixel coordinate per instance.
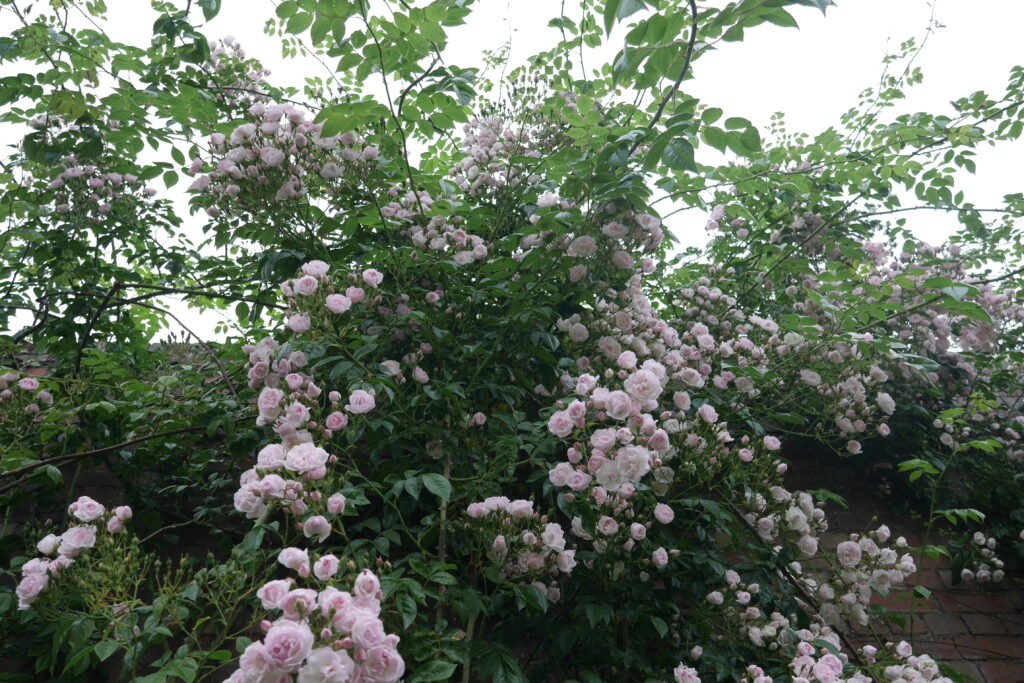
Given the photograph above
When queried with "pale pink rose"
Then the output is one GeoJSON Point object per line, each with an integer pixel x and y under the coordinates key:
{"type": "Point", "coordinates": [271, 486]}
{"type": "Point", "coordinates": [115, 525]}
{"type": "Point", "coordinates": [298, 323]}
{"type": "Point", "coordinates": [685, 674]}
{"type": "Point", "coordinates": [584, 245]}
{"type": "Point", "coordinates": [249, 503]}
{"type": "Point", "coordinates": [48, 546]}
{"type": "Point", "coordinates": [305, 285]}
{"type": "Point", "coordinates": [559, 473]}
{"type": "Point", "coordinates": [578, 332]}
{"type": "Point", "coordinates": [338, 303]}
{"type": "Point", "coordinates": [28, 383]}
{"type": "Point", "coordinates": [296, 414]}
{"type": "Point", "coordinates": [903, 649]}
{"type": "Point", "coordinates": [270, 457]}
{"type": "Point", "coordinates": [476, 510]}
{"type": "Point", "coordinates": [336, 504]}
{"type": "Point", "coordinates": [336, 421]}
{"type": "Point", "coordinates": [547, 199]}
{"type": "Point", "coordinates": [360, 402]}
{"type": "Point", "coordinates": [560, 424]}
{"type": "Point", "coordinates": [256, 665]}
{"type": "Point", "coordinates": [298, 603]}
{"type": "Point", "coordinates": [627, 360]}
{"type": "Point", "coordinates": [607, 526]}
{"type": "Point", "coordinates": [273, 592]}
{"type": "Point", "coordinates": [295, 559]}
{"type": "Point", "coordinates": [659, 558]}
{"type": "Point", "coordinates": [603, 439]}
{"type": "Point", "coordinates": [619, 405]}
{"type": "Point", "coordinates": [708, 413]}
{"type": "Point", "coordinates": [382, 665]}
{"type": "Point", "coordinates": [715, 598]}
{"type": "Point", "coordinates": [305, 458]}
{"type": "Point", "coordinates": [479, 419]}
{"type": "Point", "coordinates": [326, 567]}
{"type": "Point", "coordinates": [76, 539]}
{"type": "Point", "coordinates": [315, 268]}
{"type": "Point", "coordinates": [772, 443]}
{"type": "Point", "coordinates": [287, 644]}
{"type": "Point", "coordinates": [577, 273]}
{"type": "Point", "coordinates": [848, 553]}
{"type": "Point", "coordinates": [366, 585]}
{"type": "Point", "coordinates": [566, 561]}
{"type": "Point", "coordinates": [269, 402]}
{"type": "Point", "coordinates": [29, 588]}
{"type": "Point", "coordinates": [86, 509]}
{"type": "Point", "coordinates": [658, 440]}
{"type": "Point", "coordinates": [317, 526]}
{"type": "Point", "coordinates": [372, 277]}
{"type": "Point", "coordinates": [324, 665]}
{"type": "Point", "coordinates": [637, 531]}
{"type": "Point", "coordinates": [663, 513]}
{"type": "Point", "coordinates": [577, 481]}
{"type": "Point", "coordinates": [420, 375]}
{"type": "Point", "coordinates": [294, 380]}
{"type": "Point", "coordinates": [368, 632]}
{"type": "Point", "coordinates": [745, 454]}
{"type": "Point", "coordinates": [123, 512]}
{"type": "Point", "coordinates": [355, 294]}
{"type": "Point", "coordinates": [643, 385]}
{"type": "Point", "coordinates": [520, 509]}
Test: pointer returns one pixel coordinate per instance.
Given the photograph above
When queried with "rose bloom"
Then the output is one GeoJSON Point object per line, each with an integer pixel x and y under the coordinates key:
{"type": "Point", "coordinates": [619, 405]}
{"type": "Point", "coordinates": [315, 268]}
{"type": "Point", "coordinates": [560, 424]}
{"type": "Point", "coordinates": [663, 513]}
{"type": "Point", "coordinates": [848, 553]}
{"type": "Point", "coordinates": [520, 508]}
{"type": "Point", "coordinates": [49, 544]}
{"type": "Point", "coordinates": [270, 457]}
{"type": "Point", "coordinates": [336, 504]}
{"type": "Point", "coordinates": [383, 664]}
{"type": "Point", "coordinates": [607, 526]}
{"type": "Point", "coordinates": [360, 402]}
{"type": "Point", "coordinates": [317, 526]}
{"type": "Point", "coordinates": [305, 285]}
{"type": "Point", "coordinates": [305, 458]}
{"type": "Point", "coordinates": [660, 558]}
{"type": "Point", "coordinates": [288, 643]}
{"type": "Point", "coordinates": [326, 567]}
{"type": "Point", "coordinates": [372, 277]}
{"type": "Point", "coordinates": [273, 592]}
{"type": "Point", "coordinates": [298, 323]}
{"type": "Point", "coordinates": [336, 421]}
{"type": "Point", "coordinates": [29, 588]}
{"type": "Point", "coordinates": [324, 665]}
{"type": "Point", "coordinates": [366, 584]}
{"type": "Point", "coordinates": [76, 539]}
{"type": "Point", "coordinates": [685, 674]}
{"type": "Point", "coordinates": [86, 509]}
{"type": "Point", "coordinates": [338, 303]}
{"type": "Point", "coordinates": [295, 559]}
{"type": "Point", "coordinates": [708, 413]}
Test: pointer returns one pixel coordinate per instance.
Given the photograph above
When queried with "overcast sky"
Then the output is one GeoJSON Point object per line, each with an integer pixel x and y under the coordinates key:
{"type": "Point", "coordinates": [813, 74]}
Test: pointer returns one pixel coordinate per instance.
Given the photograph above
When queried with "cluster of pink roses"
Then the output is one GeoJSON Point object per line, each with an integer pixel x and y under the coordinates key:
{"type": "Point", "coordinates": [240, 80]}
{"type": "Point", "coordinates": [525, 544]}
{"type": "Point", "coordinates": [90, 190]}
{"type": "Point", "coordinates": [322, 636]}
{"type": "Point", "coordinates": [277, 156]}
{"type": "Point", "coordinates": [37, 572]}
{"type": "Point", "coordinates": [22, 395]}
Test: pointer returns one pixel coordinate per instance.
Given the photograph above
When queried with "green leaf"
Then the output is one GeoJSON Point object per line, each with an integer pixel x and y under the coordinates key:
{"type": "Point", "coordinates": [299, 23]}
{"type": "Point", "coordinates": [678, 155]}
{"type": "Point", "coordinates": [105, 649]}
{"type": "Point", "coordinates": [406, 608]}
{"type": "Point", "coordinates": [433, 671]}
{"type": "Point", "coordinates": [438, 485]}
{"type": "Point", "coordinates": [287, 9]}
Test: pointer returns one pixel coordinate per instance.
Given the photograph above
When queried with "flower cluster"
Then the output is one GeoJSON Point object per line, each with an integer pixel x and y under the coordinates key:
{"type": "Point", "coordinates": [92, 517]}
{"type": "Point", "coordinates": [524, 545]}
{"type": "Point", "coordinates": [278, 156]}
{"type": "Point", "coordinates": [86, 189]}
{"type": "Point", "coordinates": [325, 635]}
{"type": "Point", "coordinates": [21, 396]}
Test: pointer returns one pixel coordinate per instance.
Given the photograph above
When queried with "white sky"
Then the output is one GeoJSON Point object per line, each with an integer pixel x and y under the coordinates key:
{"type": "Point", "coordinates": [813, 74]}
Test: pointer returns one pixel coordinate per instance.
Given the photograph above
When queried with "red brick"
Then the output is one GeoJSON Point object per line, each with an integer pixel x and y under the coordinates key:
{"type": "Point", "coordinates": [944, 624]}
{"type": "Point", "coordinates": [984, 624]}
{"type": "Point", "coordinates": [1013, 623]}
{"type": "Point", "coordinates": [942, 649]}
{"type": "Point", "coordinates": [930, 579]}
{"type": "Point", "coordinates": [991, 647]}
{"type": "Point", "coordinates": [1003, 671]}
{"type": "Point", "coordinates": [984, 603]}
